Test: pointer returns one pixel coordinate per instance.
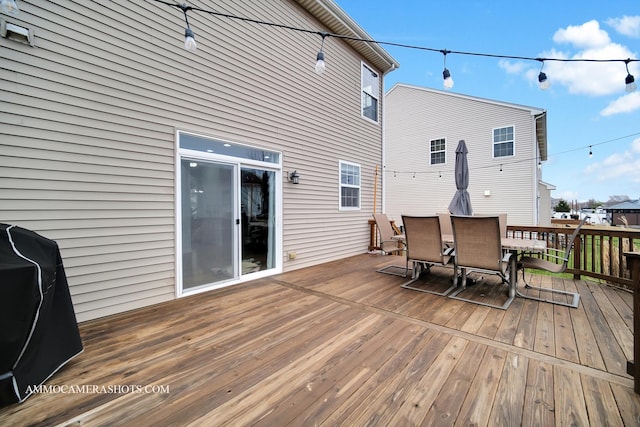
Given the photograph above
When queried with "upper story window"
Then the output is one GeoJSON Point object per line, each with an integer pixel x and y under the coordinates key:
{"type": "Point", "coordinates": [349, 186]}
{"type": "Point", "coordinates": [370, 93]}
{"type": "Point", "coordinates": [503, 142]}
{"type": "Point", "coordinates": [437, 151]}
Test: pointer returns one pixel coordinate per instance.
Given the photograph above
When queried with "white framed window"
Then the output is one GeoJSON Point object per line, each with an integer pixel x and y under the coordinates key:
{"type": "Point", "coordinates": [503, 142]}
{"type": "Point", "coordinates": [370, 82]}
{"type": "Point", "coordinates": [437, 151]}
{"type": "Point", "coordinates": [349, 186]}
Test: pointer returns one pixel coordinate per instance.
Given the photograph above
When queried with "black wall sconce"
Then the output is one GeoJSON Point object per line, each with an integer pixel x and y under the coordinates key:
{"type": "Point", "coordinates": [293, 177]}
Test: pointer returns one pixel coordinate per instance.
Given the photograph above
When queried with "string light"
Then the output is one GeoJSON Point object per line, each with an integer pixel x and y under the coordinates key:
{"type": "Point", "coordinates": [446, 74]}
{"type": "Point", "coordinates": [543, 83]}
{"type": "Point", "coordinates": [524, 160]}
{"type": "Point", "coordinates": [590, 152]}
{"type": "Point", "coordinates": [629, 80]}
{"type": "Point", "coordinates": [189, 37]}
{"type": "Point", "coordinates": [320, 65]}
{"type": "Point", "coordinates": [500, 167]}
{"type": "Point", "coordinates": [9, 7]}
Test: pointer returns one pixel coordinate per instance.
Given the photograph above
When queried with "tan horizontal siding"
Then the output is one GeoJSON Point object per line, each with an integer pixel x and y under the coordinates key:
{"type": "Point", "coordinates": [87, 155]}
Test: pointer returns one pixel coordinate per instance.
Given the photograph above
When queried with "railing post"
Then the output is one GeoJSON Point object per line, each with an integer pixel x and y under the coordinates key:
{"type": "Point", "coordinates": [633, 263]}
{"type": "Point", "coordinates": [577, 256]}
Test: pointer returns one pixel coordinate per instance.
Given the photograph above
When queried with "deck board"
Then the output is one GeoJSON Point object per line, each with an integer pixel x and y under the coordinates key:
{"type": "Point", "coordinates": [340, 344]}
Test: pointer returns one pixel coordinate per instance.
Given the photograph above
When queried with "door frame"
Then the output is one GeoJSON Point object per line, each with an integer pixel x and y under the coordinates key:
{"type": "Point", "coordinates": [239, 163]}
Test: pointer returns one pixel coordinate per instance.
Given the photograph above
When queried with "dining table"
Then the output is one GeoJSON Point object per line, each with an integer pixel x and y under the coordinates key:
{"type": "Point", "coordinates": [513, 245]}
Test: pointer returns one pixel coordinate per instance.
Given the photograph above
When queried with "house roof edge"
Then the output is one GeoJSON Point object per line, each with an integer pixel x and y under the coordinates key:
{"type": "Point", "coordinates": [339, 22]}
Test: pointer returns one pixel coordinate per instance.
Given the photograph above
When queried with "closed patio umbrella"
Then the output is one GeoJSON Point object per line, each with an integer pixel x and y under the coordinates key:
{"type": "Point", "coordinates": [461, 202]}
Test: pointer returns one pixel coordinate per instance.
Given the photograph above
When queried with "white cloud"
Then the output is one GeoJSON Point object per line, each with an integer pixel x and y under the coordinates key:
{"type": "Point", "coordinates": [618, 166]}
{"type": "Point", "coordinates": [624, 104]}
{"type": "Point", "coordinates": [513, 67]}
{"type": "Point", "coordinates": [627, 25]}
{"type": "Point", "coordinates": [587, 35]}
{"type": "Point", "coordinates": [590, 78]}
{"type": "Point", "coordinates": [586, 42]}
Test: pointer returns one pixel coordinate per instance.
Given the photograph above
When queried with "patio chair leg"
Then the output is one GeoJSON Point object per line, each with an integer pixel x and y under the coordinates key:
{"type": "Point", "coordinates": [575, 297]}
{"type": "Point", "coordinates": [463, 287]}
{"type": "Point", "coordinates": [419, 271]}
{"type": "Point", "coordinates": [396, 270]}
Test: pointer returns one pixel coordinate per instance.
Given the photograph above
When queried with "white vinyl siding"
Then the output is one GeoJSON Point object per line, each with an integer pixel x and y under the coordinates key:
{"type": "Point", "coordinates": [89, 117]}
{"type": "Point", "coordinates": [412, 112]}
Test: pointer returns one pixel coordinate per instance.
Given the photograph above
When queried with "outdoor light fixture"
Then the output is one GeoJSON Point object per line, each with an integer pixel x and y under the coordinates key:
{"type": "Point", "coordinates": [189, 37]}
{"type": "Point", "coordinates": [293, 177]}
{"type": "Point", "coordinates": [446, 75]}
{"type": "Point", "coordinates": [320, 65]}
{"type": "Point", "coordinates": [9, 7]}
{"type": "Point", "coordinates": [629, 80]}
{"type": "Point", "coordinates": [189, 40]}
{"type": "Point", "coordinates": [543, 83]}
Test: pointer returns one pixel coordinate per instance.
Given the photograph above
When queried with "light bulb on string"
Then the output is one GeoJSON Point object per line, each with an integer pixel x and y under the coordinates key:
{"type": "Point", "coordinates": [9, 7]}
{"type": "Point", "coordinates": [446, 75]}
{"type": "Point", "coordinates": [320, 64]}
{"type": "Point", "coordinates": [543, 82]}
{"type": "Point", "coordinates": [189, 37]}
{"type": "Point", "coordinates": [630, 82]}
{"type": "Point", "coordinates": [190, 40]}
{"type": "Point", "coordinates": [500, 168]}
{"type": "Point", "coordinates": [590, 152]}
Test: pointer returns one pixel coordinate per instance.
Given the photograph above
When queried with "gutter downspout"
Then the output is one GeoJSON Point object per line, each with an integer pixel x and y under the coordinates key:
{"type": "Point", "coordinates": [383, 187]}
{"type": "Point", "coordinates": [537, 170]}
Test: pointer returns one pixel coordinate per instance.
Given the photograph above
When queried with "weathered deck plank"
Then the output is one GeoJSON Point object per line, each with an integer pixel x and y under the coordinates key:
{"type": "Point", "coordinates": [340, 344]}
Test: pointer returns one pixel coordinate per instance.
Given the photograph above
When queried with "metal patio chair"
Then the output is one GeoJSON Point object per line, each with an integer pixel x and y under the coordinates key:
{"type": "Point", "coordinates": [425, 249]}
{"type": "Point", "coordinates": [553, 261]}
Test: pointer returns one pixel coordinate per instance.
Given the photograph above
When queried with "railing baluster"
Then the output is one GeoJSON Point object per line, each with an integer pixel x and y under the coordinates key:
{"type": "Point", "coordinates": [607, 243]}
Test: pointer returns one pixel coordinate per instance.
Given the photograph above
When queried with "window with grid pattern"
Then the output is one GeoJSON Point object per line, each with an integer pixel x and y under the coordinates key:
{"type": "Point", "coordinates": [349, 186]}
{"type": "Point", "coordinates": [437, 151]}
{"type": "Point", "coordinates": [370, 93]}
{"type": "Point", "coordinates": [503, 142]}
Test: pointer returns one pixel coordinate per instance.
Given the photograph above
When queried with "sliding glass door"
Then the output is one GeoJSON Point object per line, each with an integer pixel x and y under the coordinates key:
{"type": "Point", "coordinates": [208, 223]}
{"type": "Point", "coordinates": [228, 202]}
{"type": "Point", "coordinates": [258, 220]}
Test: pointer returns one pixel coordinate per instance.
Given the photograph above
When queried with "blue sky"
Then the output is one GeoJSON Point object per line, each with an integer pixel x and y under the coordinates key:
{"type": "Point", "coordinates": [586, 103]}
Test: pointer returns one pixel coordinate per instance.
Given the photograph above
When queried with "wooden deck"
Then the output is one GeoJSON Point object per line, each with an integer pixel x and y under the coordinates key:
{"type": "Point", "coordinates": [342, 345]}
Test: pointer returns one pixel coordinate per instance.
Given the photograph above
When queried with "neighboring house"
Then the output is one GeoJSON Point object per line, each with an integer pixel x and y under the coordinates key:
{"type": "Point", "coordinates": [506, 144]}
{"type": "Point", "coordinates": [162, 172]}
{"type": "Point", "coordinates": [544, 203]}
{"type": "Point", "coordinates": [625, 213]}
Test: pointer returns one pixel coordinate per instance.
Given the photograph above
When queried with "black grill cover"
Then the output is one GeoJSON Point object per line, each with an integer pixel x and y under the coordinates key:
{"type": "Point", "coordinates": [38, 328]}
